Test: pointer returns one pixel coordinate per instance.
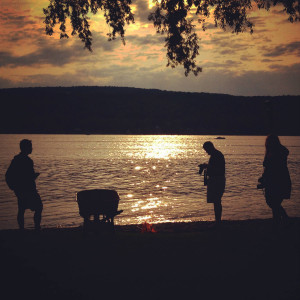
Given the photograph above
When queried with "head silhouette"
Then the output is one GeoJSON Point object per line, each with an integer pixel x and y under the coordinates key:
{"type": "Point", "coordinates": [208, 147]}
{"type": "Point", "coordinates": [26, 146]}
{"type": "Point", "coordinates": [272, 143]}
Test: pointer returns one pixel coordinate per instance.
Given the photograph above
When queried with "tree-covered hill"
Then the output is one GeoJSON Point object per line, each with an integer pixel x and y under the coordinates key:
{"type": "Point", "coordinates": [116, 110]}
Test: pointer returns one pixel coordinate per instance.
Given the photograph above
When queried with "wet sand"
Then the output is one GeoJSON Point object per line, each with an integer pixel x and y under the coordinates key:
{"type": "Point", "coordinates": [240, 260]}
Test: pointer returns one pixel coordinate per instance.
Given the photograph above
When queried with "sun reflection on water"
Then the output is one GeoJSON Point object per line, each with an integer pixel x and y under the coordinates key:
{"type": "Point", "coordinates": [173, 191]}
{"type": "Point", "coordinates": [162, 147]}
{"type": "Point", "coordinates": [153, 176]}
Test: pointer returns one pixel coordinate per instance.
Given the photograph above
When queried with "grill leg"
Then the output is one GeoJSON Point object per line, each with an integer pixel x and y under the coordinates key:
{"type": "Point", "coordinates": [112, 225]}
{"type": "Point", "coordinates": [97, 218]}
{"type": "Point", "coordinates": [86, 222]}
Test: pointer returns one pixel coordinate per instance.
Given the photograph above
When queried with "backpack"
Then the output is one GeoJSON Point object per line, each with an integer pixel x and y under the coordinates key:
{"type": "Point", "coordinates": [10, 176]}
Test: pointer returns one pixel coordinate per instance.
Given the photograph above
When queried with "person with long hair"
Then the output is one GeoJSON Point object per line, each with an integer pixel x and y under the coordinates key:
{"type": "Point", "coordinates": [276, 178]}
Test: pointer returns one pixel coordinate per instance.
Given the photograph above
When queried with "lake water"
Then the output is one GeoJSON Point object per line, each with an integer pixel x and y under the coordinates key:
{"type": "Point", "coordinates": [156, 176]}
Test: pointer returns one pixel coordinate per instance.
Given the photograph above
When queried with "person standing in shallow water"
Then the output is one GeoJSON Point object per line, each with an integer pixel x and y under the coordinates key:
{"type": "Point", "coordinates": [276, 178]}
{"type": "Point", "coordinates": [20, 177]}
{"type": "Point", "coordinates": [216, 178]}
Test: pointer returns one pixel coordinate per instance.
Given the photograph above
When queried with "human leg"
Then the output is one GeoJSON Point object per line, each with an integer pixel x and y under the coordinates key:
{"type": "Point", "coordinates": [38, 217]}
{"type": "Point", "coordinates": [215, 190]}
{"type": "Point", "coordinates": [38, 212]}
{"type": "Point", "coordinates": [276, 214]}
{"type": "Point", "coordinates": [284, 216]}
{"type": "Point", "coordinates": [283, 213]}
{"type": "Point", "coordinates": [218, 211]}
{"type": "Point", "coordinates": [21, 209]}
{"type": "Point", "coordinates": [20, 217]}
{"type": "Point", "coordinates": [275, 204]}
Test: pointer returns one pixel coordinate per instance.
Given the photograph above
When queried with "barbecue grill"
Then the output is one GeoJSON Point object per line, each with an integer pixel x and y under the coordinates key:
{"type": "Point", "coordinates": [101, 204]}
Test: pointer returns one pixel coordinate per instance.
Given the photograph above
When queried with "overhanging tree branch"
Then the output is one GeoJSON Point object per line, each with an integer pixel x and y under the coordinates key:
{"type": "Point", "coordinates": [173, 18]}
{"type": "Point", "coordinates": [117, 13]}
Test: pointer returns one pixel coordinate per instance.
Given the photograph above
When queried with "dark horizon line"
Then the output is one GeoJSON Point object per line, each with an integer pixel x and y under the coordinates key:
{"type": "Point", "coordinates": [150, 89]}
{"type": "Point", "coordinates": [217, 136]}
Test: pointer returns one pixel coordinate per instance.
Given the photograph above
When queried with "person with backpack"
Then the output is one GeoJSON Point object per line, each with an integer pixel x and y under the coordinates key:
{"type": "Point", "coordinates": [20, 177]}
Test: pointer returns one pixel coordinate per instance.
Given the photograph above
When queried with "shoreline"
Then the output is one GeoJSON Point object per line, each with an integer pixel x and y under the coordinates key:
{"type": "Point", "coordinates": [169, 227]}
{"type": "Point", "coordinates": [241, 260]}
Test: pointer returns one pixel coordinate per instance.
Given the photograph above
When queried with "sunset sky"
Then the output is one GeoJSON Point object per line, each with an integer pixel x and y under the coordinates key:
{"type": "Point", "coordinates": [264, 63]}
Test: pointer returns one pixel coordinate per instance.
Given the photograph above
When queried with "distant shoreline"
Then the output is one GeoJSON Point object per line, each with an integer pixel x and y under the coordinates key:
{"type": "Point", "coordinates": [215, 136]}
{"type": "Point", "coordinates": [117, 110]}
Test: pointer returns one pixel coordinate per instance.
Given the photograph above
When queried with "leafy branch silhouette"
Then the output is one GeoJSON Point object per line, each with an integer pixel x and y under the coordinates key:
{"type": "Point", "coordinates": [172, 18]}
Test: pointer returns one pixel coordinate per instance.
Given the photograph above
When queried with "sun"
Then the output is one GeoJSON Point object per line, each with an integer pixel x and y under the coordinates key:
{"type": "Point", "coordinates": [152, 3]}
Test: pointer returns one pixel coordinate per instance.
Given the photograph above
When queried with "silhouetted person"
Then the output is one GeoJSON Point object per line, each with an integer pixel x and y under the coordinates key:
{"type": "Point", "coordinates": [216, 178]}
{"type": "Point", "coordinates": [276, 178]}
{"type": "Point", "coordinates": [21, 177]}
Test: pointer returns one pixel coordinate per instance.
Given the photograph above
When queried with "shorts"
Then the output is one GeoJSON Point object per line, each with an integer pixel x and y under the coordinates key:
{"type": "Point", "coordinates": [29, 200]}
{"type": "Point", "coordinates": [215, 189]}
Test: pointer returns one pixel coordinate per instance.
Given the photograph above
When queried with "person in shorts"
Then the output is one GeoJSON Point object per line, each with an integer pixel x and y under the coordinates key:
{"type": "Point", "coordinates": [21, 177]}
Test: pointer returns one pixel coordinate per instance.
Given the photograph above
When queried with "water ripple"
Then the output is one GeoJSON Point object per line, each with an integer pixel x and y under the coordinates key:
{"type": "Point", "coordinates": [156, 177]}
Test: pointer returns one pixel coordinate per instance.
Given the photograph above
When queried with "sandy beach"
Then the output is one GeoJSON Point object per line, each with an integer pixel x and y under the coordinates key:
{"type": "Point", "coordinates": [240, 260]}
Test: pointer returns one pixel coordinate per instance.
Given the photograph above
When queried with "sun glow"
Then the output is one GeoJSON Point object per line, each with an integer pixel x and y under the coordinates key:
{"type": "Point", "coordinates": [152, 3]}
{"type": "Point", "coordinates": [161, 148]}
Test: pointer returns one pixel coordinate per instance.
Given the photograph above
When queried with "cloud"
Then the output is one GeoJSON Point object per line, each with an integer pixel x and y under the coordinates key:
{"type": "Point", "coordinates": [258, 21]}
{"type": "Point", "coordinates": [267, 60]}
{"type": "Point", "coordinates": [248, 57]}
{"type": "Point", "coordinates": [18, 27]}
{"type": "Point", "coordinates": [227, 41]}
{"type": "Point", "coordinates": [57, 52]}
{"type": "Point", "coordinates": [226, 44]}
{"type": "Point", "coordinates": [6, 83]}
{"type": "Point", "coordinates": [11, 17]}
{"type": "Point", "coordinates": [17, 38]}
{"type": "Point", "coordinates": [101, 43]}
{"type": "Point", "coordinates": [283, 49]}
{"type": "Point", "coordinates": [149, 39]}
{"type": "Point", "coordinates": [142, 12]}
{"type": "Point", "coordinates": [50, 55]}
{"type": "Point", "coordinates": [251, 83]}
{"type": "Point", "coordinates": [66, 79]}
{"type": "Point", "coordinates": [142, 62]}
{"type": "Point", "coordinates": [224, 65]}
{"type": "Point", "coordinates": [210, 26]}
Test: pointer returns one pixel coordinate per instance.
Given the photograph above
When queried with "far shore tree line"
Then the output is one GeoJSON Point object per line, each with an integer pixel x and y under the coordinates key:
{"type": "Point", "coordinates": [112, 110]}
